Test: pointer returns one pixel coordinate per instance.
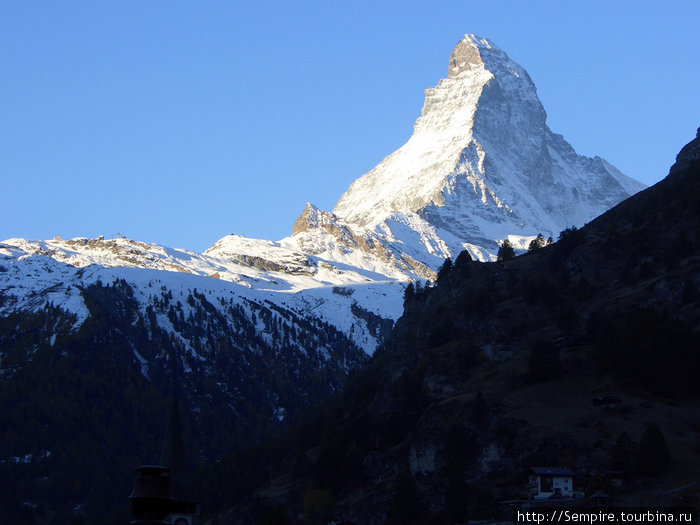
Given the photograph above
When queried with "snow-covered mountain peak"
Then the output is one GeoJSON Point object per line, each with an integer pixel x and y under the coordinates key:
{"type": "Point", "coordinates": [474, 53]}
{"type": "Point", "coordinates": [417, 174]}
{"type": "Point", "coordinates": [481, 166]}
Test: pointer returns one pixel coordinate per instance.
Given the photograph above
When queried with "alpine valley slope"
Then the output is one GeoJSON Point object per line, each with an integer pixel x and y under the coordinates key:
{"type": "Point", "coordinates": [257, 328]}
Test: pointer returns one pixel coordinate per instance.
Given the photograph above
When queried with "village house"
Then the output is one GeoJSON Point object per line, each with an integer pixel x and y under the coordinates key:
{"type": "Point", "coordinates": [550, 482]}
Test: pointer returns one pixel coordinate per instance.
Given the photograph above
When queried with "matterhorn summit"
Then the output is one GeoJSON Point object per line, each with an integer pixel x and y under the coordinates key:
{"type": "Point", "coordinates": [480, 167]}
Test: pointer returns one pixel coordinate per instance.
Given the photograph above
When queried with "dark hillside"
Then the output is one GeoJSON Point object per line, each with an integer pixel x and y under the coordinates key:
{"type": "Point", "coordinates": [571, 355]}
{"type": "Point", "coordinates": [79, 409]}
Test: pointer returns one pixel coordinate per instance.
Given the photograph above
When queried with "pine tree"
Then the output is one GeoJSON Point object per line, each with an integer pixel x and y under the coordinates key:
{"type": "Point", "coordinates": [481, 409]}
{"type": "Point", "coordinates": [277, 516]}
{"type": "Point", "coordinates": [537, 243]}
{"type": "Point", "coordinates": [544, 364]}
{"type": "Point", "coordinates": [409, 292]}
{"type": "Point", "coordinates": [567, 233]}
{"type": "Point", "coordinates": [463, 259]}
{"type": "Point", "coordinates": [506, 252]}
{"type": "Point", "coordinates": [622, 452]}
{"type": "Point", "coordinates": [653, 455]}
{"type": "Point", "coordinates": [404, 502]}
{"type": "Point", "coordinates": [445, 269]}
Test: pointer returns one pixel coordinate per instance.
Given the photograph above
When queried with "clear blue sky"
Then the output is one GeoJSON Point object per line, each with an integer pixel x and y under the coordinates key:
{"type": "Point", "coordinates": [180, 122]}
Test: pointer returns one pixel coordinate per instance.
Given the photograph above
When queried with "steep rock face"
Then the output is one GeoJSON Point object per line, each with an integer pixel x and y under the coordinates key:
{"type": "Point", "coordinates": [689, 154]}
{"type": "Point", "coordinates": [313, 219]}
{"type": "Point", "coordinates": [480, 166]}
{"type": "Point", "coordinates": [324, 234]}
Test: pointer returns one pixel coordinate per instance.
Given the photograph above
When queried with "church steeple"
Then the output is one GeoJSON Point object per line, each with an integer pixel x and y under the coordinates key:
{"type": "Point", "coordinates": [172, 454]}
{"type": "Point", "coordinates": [163, 493]}
{"type": "Point", "coordinates": [185, 509]}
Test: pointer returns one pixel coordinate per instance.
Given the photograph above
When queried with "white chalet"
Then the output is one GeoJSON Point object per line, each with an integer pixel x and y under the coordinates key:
{"type": "Point", "coordinates": [549, 482]}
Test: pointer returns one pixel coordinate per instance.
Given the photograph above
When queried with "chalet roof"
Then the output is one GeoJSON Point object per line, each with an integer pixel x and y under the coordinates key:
{"type": "Point", "coordinates": [552, 471]}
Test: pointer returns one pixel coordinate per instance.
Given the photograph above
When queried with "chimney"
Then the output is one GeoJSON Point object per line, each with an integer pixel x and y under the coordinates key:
{"type": "Point", "coordinates": [150, 498]}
